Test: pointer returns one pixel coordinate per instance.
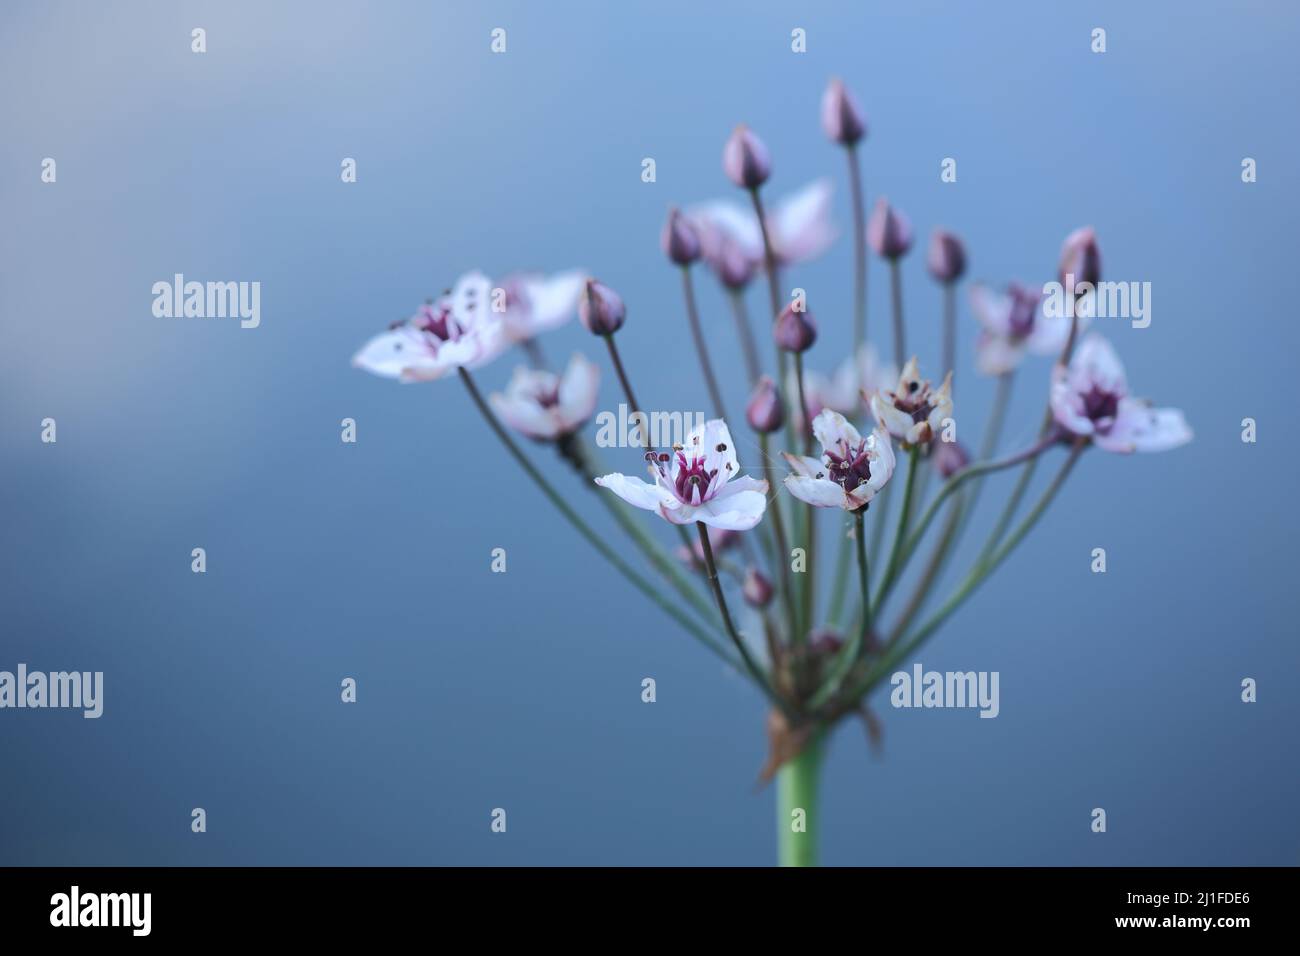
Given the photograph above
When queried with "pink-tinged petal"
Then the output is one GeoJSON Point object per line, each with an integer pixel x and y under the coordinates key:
{"type": "Point", "coordinates": [390, 353]}
{"type": "Point", "coordinates": [722, 218]}
{"type": "Point", "coordinates": [525, 416]}
{"type": "Point", "coordinates": [896, 422]}
{"type": "Point", "coordinates": [675, 511]}
{"type": "Point", "coordinates": [579, 387]}
{"type": "Point", "coordinates": [801, 223]}
{"type": "Point", "coordinates": [997, 355]}
{"type": "Point", "coordinates": [1067, 404]}
{"type": "Point", "coordinates": [1096, 363]}
{"type": "Point", "coordinates": [638, 493]}
{"type": "Point", "coordinates": [1050, 334]}
{"type": "Point", "coordinates": [807, 467]}
{"type": "Point", "coordinates": [830, 428]}
{"type": "Point", "coordinates": [1139, 427]}
{"type": "Point", "coordinates": [991, 309]}
{"type": "Point", "coordinates": [735, 512]}
{"type": "Point", "coordinates": [819, 492]}
{"type": "Point", "coordinates": [553, 300]}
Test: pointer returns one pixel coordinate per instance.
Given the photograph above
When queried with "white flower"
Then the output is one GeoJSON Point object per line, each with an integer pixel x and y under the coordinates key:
{"type": "Point", "coordinates": [535, 304]}
{"type": "Point", "coordinates": [458, 331]}
{"type": "Point", "coordinates": [844, 391]}
{"type": "Point", "coordinates": [1091, 399]}
{"type": "Point", "coordinates": [850, 472]}
{"type": "Point", "coordinates": [1013, 323]}
{"type": "Point", "coordinates": [698, 482]}
{"type": "Point", "coordinates": [545, 406]}
{"type": "Point", "coordinates": [799, 226]}
{"type": "Point", "coordinates": [914, 411]}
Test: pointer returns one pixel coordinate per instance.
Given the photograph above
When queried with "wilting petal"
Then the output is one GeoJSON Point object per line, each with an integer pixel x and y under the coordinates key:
{"type": "Point", "coordinates": [830, 428]}
{"type": "Point", "coordinates": [578, 390]}
{"type": "Point", "coordinates": [638, 493]}
{"type": "Point", "coordinates": [801, 223]}
{"type": "Point", "coordinates": [894, 420]}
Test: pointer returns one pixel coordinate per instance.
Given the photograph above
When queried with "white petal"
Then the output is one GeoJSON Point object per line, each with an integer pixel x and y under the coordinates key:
{"type": "Point", "coordinates": [896, 422]}
{"type": "Point", "coordinates": [831, 428]}
{"type": "Point", "coordinates": [991, 309]}
{"type": "Point", "coordinates": [553, 300]}
{"type": "Point", "coordinates": [736, 512]}
{"type": "Point", "coordinates": [390, 353]}
{"type": "Point", "coordinates": [525, 415]}
{"type": "Point", "coordinates": [578, 389]}
{"type": "Point", "coordinates": [636, 492]}
{"type": "Point", "coordinates": [882, 466]}
{"type": "Point", "coordinates": [1138, 427]}
{"type": "Point", "coordinates": [996, 354]}
{"type": "Point", "coordinates": [733, 220]}
{"type": "Point", "coordinates": [820, 492]}
{"type": "Point", "coordinates": [801, 223]}
{"type": "Point", "coordinates": [712, 441]}
{"type": "Point", "coordinates": [739, 485]}
{"type": "Point", "coordinates": [808, 467]}
{"type": "Point", "coordinates": [1095, 363]}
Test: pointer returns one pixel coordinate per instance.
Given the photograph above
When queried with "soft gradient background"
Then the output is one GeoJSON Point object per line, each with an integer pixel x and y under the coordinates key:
{"type": "Point", "coordinates": [372, 560]}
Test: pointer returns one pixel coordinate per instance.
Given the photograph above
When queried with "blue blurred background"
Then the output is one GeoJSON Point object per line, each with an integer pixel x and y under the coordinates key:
{"type": "Point", "coordinates": [522, 690]}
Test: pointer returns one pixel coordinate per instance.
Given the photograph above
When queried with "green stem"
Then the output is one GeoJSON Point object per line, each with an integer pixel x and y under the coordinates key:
{"type": "Point", "coordinates": [896, 299]}
{"type": "Point", "coordinates": [796, 789]}
{"type": "Point", "coordinates": [597, 542]}
{"type": "Point", "coordinates": [978, 573]}
{"type": "Point", "coordinates": [900, 535]}
{"type": "Point", "coordinates": [697, 333]}
{"type": "Point", "coordinates": [752, 365]}
{"type": "Point", "coordinates": [782, 556]}
{"type": "Point", "coordinates": [841, 586]}
{"type": "Point", "coordinates": [755, 671]}
{"type": "Point", "coordinates": [859, 252]}
{"type": "Point", "coordinates": [855, 647]}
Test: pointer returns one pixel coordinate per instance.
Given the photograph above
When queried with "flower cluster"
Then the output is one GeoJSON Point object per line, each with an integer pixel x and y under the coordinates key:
{"type": "Point", "coordinates": [872, 418]}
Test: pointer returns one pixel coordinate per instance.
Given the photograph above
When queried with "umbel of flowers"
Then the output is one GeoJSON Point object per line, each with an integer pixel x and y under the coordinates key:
{"type": "Point", "coordinates": [869, 450]}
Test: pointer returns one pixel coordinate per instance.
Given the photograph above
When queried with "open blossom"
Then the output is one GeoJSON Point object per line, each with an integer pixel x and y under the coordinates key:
{"type": "Point", "coordinates": [545, 406]}
{"type": "Point", "coordinates": [697, 482]}
{"type": "Point", "coordinates": [914, 411]}
{"type": "Point", "coordinates": [1090, 399]}
{"type": "Point", "coordinates": [536, 303]}
{"type": "Point", "coordinates": [850, 472]}
{"type": "Point", "coordinates": [799, 225]}
{"type": "Point", "coordinates": [457, 331]}
{"type": "Point", "coordinates": [1012, 324]}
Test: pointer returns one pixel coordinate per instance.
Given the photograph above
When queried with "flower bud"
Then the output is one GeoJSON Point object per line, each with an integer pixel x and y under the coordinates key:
{"type": "Point", "coordinates": [757, 589]}
{"type": "Point", "coordinates": [795, 330]}
{"type": "Point", "coordinates": [824, 642]}
{"type": "Point", "coordinates": [679, 240]}
{"type": "Point", "coordinates": [1080, 257]}
{"type": "Point", "coordinates": [734, 268]}
{"type": "Point", "coordinates": [765, 412]}
{"type": "Point", "coordinates": [888, 231]}
{"type": "Point", "coordinates": [601, 309]}
{"type": "Point", "coordinates": [842, 118]}
{"type": "Point", "coordinates": [745, 159]}
{"type": "Point", "coordinates": [946, 258]}
{"type": "Point", "coordinates": [949, 458]}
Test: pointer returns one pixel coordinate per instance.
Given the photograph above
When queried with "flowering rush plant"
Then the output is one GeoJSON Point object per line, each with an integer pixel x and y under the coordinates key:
{"type": "Point", "coordinates": [871, 443]}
